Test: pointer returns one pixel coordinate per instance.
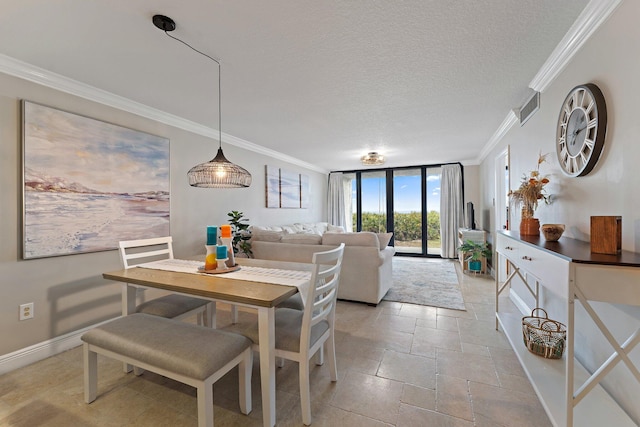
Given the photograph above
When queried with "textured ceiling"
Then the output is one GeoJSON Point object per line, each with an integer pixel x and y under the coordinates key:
{"type": "Point", "coordinates": [423, 82]}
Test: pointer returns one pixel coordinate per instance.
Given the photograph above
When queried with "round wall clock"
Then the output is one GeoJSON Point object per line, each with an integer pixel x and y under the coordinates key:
{"type": "Point", "coordinates": [582, 125]}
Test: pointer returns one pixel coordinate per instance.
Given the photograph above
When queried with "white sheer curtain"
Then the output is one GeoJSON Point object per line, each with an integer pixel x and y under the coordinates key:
{"type": "Point", "coordinates": [451, 209]}
{"type": "Point", "coordinates": [336, 200]}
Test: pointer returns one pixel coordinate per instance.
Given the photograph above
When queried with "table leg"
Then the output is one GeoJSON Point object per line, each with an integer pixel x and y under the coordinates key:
{"type": "Point", "coordinates": [128, 307]}
{"type": "Point", "coordinates": [266, 332]}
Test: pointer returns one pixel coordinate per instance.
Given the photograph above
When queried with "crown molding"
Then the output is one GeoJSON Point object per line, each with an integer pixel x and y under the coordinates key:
{"type": "Point", "coordinates": [25, 71]}
{"type": "Point", "coordinates": [497, 136]}
{"type": "Point", "coordinates": [591, 18]}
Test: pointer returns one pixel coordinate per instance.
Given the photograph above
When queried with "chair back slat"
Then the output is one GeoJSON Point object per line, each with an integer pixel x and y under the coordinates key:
{"type": "Point", "coordinates": [323, 292]}
{"type": "Point", "coordinates": [134, 252]}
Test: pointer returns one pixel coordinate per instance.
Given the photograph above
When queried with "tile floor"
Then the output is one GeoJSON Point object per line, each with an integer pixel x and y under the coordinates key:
{"type": "Point", "coordinates": [399, 365]}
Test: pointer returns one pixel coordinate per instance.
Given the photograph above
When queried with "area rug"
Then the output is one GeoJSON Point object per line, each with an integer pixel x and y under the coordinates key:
{"type": "Point", "coordinates": [425, 282]}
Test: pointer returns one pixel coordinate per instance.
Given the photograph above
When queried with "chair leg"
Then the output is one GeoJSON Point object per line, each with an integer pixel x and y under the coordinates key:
{"type": "Point", "coordinates": [331, 354]}
{"type": "Point", "coordinates": [210, 315]}
{"type": "Point", "coordinates": [234, 314]}
{"type": "Point", "coordinates": [305, 391]}
{"type": "Point", "coordinates": [320, 356]}
{"type": "Point", "coordinates": [244, 370]}
{"type": "Point", "coordinates": [205, 404]}
{"type": "Point", "coordinates": [90, 374]}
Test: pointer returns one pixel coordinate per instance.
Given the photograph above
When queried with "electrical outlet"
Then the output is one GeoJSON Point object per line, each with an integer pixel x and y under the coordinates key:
{"type": "Point", "coordinates": [26, 311]}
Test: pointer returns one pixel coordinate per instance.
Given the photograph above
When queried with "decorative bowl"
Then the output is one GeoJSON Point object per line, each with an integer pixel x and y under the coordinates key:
{"type": "Point", "coordinates": [552, 232]}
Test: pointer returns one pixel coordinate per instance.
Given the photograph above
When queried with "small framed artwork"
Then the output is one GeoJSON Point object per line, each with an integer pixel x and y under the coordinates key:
{"type": "Point", "coordinates": [304, 191]}
{"type": "Point", "coordinates": [273, 186]}
{"type": "Point", "coordinates": [286, 189]}
{"type": "Point", "coordinates": [289, 189]}
{"type": "Point", "coordinates": [88, 184]}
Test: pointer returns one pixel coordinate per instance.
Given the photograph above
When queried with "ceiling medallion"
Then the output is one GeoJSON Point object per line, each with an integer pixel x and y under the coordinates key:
{"type": "Point", "coordinates": [372, 159]}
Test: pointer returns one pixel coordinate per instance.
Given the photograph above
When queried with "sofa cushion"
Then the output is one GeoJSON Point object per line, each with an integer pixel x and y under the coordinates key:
{"type": "Point", "coordinates": [362, 238]}
{"type": "Point", "coordinates": [302, 238]}
{"type": "Point", "coordinates": [266, 235]}
{"type": "Point", "coordinates": [384, 239]}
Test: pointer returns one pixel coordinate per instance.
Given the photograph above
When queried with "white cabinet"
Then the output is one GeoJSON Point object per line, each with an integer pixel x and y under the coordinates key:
{"type": "Point", "coordinates": [567, 268]}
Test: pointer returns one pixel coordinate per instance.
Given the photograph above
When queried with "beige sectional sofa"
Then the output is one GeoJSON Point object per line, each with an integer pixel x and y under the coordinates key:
{"type": "Point", "coordinates": [366, 267]}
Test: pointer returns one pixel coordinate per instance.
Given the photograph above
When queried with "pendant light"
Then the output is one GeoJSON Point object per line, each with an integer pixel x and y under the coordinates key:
{"type": "Point", "coordinates": [218, 172]}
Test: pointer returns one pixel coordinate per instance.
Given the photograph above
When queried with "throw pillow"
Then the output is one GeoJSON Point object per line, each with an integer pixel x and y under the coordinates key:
{"type": "Point", "coordinates": [384, 239]}
{"type": "Point", "coordinates": [335, 229]}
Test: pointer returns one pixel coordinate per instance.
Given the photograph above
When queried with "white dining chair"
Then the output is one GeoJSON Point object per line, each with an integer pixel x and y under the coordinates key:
{"type": "Point", "coordinates": [299, 335]}
{"type": "Point", "coordinates": [172, 306]}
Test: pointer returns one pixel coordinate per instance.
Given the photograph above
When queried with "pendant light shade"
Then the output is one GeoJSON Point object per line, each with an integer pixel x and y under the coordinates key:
{"type": "Point", "coordinates": [218, 172]}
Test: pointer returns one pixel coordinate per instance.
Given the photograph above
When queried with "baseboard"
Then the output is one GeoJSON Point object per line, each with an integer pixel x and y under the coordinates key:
{"type": "Point", "coordinates": [519, 302]}
{"type": "Point", "coordinates": [42, 350]}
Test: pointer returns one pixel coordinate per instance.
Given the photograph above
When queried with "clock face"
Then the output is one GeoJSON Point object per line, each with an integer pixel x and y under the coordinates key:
{"type": "Point", "coordinates": [582, 125]}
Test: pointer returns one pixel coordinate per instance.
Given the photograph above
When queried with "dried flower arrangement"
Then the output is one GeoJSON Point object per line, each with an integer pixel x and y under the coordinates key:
{"type": "Point", "coordinates": [531, 190]}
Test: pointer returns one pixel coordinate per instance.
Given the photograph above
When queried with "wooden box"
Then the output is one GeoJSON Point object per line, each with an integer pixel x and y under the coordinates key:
{"type": "Point", "coordinates": [606, 234]}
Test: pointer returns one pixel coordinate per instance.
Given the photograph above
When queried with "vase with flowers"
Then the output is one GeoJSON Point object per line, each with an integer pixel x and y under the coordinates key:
{"type": "Point", "coordinates": [526, 198]}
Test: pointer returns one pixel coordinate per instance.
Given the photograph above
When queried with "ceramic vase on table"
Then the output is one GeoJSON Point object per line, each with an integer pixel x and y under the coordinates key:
{"type": "Point", "coordinates": [529, 226]}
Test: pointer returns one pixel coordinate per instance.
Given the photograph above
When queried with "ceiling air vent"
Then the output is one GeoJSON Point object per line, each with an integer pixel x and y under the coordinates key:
{"type": "Point", "coordinates": [529, 108]}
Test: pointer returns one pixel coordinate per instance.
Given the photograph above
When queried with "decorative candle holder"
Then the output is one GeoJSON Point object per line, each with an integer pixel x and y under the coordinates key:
{"type": "Point", "coordinates": [222, 263]}
{"type": "Point", "coordinates": [210, 259]}
{"type": "Point", "coordinates": [227, 241]}
{"type": "Point", "coordinates": [212, 235]}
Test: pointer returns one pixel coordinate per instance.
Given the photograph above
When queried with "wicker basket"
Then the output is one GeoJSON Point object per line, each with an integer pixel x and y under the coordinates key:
{"type": "Point", "coordinates": [543, 336]}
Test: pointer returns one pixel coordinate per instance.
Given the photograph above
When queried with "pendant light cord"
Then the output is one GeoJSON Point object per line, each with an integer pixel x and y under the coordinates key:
{"type": "Point", "coordinates": [219, 84]}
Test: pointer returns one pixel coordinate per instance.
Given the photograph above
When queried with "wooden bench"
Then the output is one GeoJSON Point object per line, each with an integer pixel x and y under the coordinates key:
{"type": "Point", "coordinates": [194, 355]}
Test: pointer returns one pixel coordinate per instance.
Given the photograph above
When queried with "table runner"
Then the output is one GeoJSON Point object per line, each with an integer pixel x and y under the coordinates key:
{"type": "Point", "coordinates": [275, 276]}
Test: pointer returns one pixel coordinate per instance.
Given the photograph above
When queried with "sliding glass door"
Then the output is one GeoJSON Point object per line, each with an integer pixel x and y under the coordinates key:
{"type": "Point", "coordinates": [432, 208]}
{"type": "Point", "coordinates": [373, 191]}
{"type": "Point", "coordinates": [405, 201]}
{"type": "Point", "coordinates": [407, 210]}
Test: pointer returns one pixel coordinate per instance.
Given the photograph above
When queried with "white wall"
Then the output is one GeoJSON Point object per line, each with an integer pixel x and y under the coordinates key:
{"type": "Point", "coordinates": [609, 59]}
{"type": "Point", "coordinates": [69, 292]}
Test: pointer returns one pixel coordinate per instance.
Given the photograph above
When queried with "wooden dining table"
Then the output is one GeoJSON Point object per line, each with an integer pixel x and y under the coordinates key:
{"type": "Point", "coordinates": [263, 297]}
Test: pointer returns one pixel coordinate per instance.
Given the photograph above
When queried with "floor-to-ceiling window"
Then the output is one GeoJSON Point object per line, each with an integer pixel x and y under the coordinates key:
{"type": "Point", "coordinates": [403, 200]}
{"type": "Point", "coordinates": [407, 210]}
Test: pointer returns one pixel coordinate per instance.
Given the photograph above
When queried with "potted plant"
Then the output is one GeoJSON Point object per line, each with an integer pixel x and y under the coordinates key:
{"type": "Point", "coordinates": [528, 195]}
{"type": "Point", "coordinates": [241, 233]}
{"type": "Point", "coordinates": [473, 253]}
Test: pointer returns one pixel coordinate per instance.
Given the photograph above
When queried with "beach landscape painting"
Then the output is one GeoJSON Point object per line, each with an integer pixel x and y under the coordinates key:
{"type": "Point", "coordinates": [89, 184]}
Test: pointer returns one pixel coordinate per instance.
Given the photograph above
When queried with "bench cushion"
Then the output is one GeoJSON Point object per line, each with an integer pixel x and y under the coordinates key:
{"type": "Point", "coordinates": [184, 348]}
{"type": "Point", "coordinates": [171, 305]}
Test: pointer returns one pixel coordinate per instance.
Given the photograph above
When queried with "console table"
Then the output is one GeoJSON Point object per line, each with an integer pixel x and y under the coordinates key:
{"type": "Point", "coordinates": [567, 268]}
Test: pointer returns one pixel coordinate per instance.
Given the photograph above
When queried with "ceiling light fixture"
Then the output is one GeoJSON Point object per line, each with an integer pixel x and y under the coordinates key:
{"type": "Point", "coordinates": [372, 159]}
{"type": "Point", "coordinates": [218, 172]}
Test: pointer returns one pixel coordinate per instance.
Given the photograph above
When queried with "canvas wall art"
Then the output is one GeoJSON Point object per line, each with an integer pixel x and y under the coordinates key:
{"type": "Point", "coordinates": [88, 184]}
{"type": "Point", "coordinates": [286, 189]}
{"type": "Point", "coordinates": [273, 186]}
